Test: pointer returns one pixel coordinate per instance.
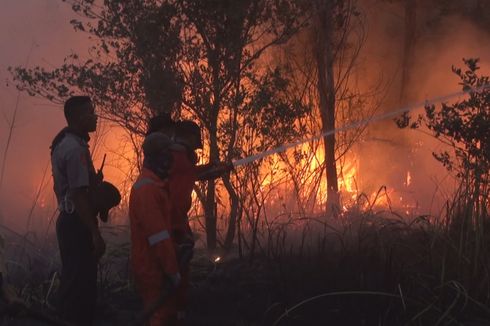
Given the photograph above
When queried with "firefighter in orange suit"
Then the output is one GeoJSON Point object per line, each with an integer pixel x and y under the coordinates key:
{"type": "Point", "coordinates": [182, 177]}
{"type": "Point", "coordinates": [154, 262]}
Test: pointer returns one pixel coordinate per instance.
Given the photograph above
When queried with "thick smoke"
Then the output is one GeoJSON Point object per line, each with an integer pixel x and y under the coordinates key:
{"type": "Point", "coordinates": [388, 154]}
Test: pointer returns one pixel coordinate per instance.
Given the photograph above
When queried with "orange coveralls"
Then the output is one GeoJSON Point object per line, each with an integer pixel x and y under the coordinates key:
{"type": "Point", "coordinates": [182, 177]}
{"type": "Point", "coordinates": [152, 249]}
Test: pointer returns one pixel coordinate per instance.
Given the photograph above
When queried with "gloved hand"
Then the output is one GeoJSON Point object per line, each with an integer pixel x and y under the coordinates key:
{"type": "Point", "coordinates": [175, 279]}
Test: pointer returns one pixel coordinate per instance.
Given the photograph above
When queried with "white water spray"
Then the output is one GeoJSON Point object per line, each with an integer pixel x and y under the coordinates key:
{"type": "Point", "coordinates": [357, 124]}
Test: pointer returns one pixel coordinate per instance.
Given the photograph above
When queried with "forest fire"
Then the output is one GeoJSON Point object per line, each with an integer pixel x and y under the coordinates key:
{"type": "Point", "coordinates": [294, 179]}
{"type": "Point", "coordinates": [347, 144]}
{"type": "Point", "coordinates": [279, 182]}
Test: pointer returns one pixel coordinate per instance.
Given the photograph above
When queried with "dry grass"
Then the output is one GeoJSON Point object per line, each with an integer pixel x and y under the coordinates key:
{"type": "Point", "coordinates": [366, 268]}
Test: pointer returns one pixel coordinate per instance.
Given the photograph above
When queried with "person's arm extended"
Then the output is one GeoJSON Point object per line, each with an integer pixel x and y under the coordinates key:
{"type": "Point", "coordinates": [212, 171]}
{"type": "Point", "coordinates": [83, 207]}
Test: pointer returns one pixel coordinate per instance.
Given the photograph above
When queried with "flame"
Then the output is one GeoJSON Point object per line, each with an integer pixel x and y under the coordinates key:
{"type": "Point", "coordinates": [408, 181]}
{"type": "Point", "coordinates": [348, 182]}
{"type": "Point", "coordinates": [348, 179]}
{"type": "Point", "coordinates": [303, 163]}
{"type": "Point", "coordinates": [310, 180]}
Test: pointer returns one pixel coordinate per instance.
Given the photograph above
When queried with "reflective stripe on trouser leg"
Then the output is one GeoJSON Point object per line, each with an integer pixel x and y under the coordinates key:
{"type": "Point", "coordinates": [157, 237]}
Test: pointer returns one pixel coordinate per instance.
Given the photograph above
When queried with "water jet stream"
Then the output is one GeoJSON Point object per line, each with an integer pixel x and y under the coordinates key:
{"type": "Point", "coordinates": [384, 116]}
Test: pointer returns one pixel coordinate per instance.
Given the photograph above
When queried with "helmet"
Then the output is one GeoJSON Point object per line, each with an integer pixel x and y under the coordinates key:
{"type": "Point", "coordinates": [184, 128]}
{"type": "Point", "coordinates": [104, 197]}
{"type": "Point", "coordinates": [155, 143]}
{"type": "Point", "coordinates": [158, 158]}
{"type": "Point", "coordinates": [159, 122]}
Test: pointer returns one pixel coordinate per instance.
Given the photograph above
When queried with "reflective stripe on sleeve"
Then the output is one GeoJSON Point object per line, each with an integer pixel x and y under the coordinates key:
{"type": "Point", "coordinates": [157, 237]}
{"type": "Point", "coordinates": [140, 183]}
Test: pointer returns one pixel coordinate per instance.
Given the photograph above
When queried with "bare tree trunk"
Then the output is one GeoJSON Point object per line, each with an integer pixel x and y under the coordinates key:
{"type": "Point", "coordinates": [6, 151]}
{"type": "Point", "coordinates": [209, 205]}
{"type": "Point", "coordinates": [230, 234]}
{"type": "Point", "coordinates": [324, 49]}
{"type": "Point", "coordinates": [409, 45]}
{"type": "Point", "coordinates": [408, 55]}
{"type": "Point", "coordinates": [7, 145]}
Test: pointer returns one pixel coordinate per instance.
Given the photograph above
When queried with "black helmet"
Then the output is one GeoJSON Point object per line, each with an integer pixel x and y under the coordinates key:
{"type": "Point", "coordinates": [104, 197]}
{"type": "Point", "coordinates": [159, 122]}
{"type": "Point", "coordinates": [188, 127]}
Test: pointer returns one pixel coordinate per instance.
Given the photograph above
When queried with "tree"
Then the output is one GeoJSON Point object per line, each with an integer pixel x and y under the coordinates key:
{"type": "Point", "coordinates": [224, 43]}
{"type": "Point", "coordinates": [324, 53]}
{"type": "Point", "coordinates": [131, 70]}
{"type": "Point", "coordinates": [335, 49]}
{"type": "Point", "coordinates": [463, 127]}
{"type": "Point", "coordinates": [409, 43]}
{"type": "Point", "coordinates": [156, 55]}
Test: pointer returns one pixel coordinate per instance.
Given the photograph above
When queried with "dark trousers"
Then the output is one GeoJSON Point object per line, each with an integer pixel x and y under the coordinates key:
{"type": "Point", "coordinates": [78, 286]}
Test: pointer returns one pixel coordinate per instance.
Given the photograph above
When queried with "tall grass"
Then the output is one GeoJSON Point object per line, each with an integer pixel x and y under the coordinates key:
{"type": "Point", "coordinates": [369, 266]}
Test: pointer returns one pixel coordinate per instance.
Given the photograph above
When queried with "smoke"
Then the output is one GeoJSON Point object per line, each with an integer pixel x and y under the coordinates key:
{"type": "Point", "coordinates": [37, 32]}
{"type": "Point", "coordinates": [32, 32]}
{"type": "Point", "coordinates": [387, 154]}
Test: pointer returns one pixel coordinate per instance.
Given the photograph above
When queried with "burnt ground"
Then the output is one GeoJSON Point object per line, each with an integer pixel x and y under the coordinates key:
{"type": "Point", "coordinates": [376, 276]}
{"type": "Point", "coordinates": [242, 292]}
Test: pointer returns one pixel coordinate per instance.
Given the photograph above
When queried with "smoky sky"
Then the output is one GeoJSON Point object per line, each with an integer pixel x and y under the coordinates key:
{"type": "Point", "coordinates": [32, 32]}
